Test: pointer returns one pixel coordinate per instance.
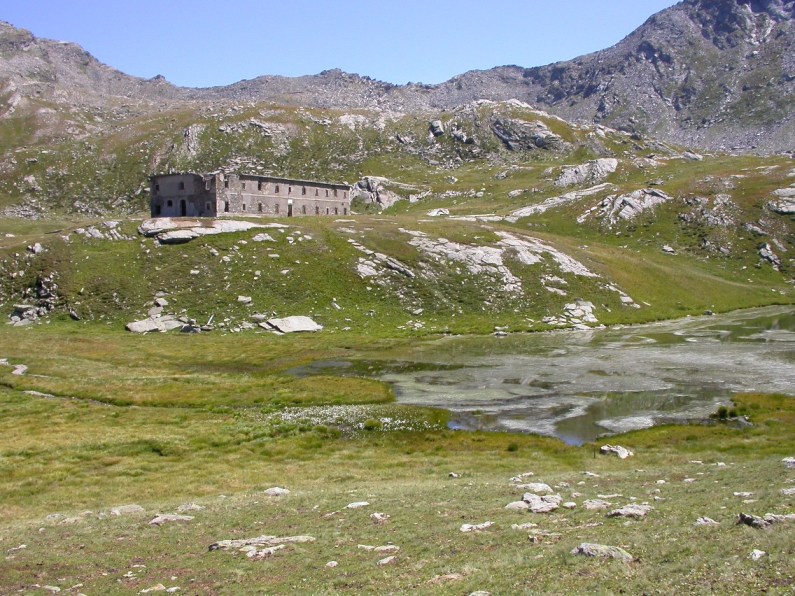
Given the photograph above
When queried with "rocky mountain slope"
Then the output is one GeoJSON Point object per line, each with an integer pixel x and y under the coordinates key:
{"type": "Point", "coordinates": [716, 74]}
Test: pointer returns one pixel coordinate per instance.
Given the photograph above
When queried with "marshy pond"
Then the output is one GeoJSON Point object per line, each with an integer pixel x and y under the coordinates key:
{"type": "Point", "coordinates": [579, 385]}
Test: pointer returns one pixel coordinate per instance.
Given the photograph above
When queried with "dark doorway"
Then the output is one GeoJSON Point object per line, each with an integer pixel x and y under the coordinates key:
{"type": "Point", "coordinates": [290, 209]}
{"type": "Point", "coordinates": [183, 208]}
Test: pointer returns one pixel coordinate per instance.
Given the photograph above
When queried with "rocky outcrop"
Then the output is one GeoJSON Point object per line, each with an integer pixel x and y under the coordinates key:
{"type": "Point", "coordinates": [519, 135]}
{"type": "Point", "coordinates": [590, 172]}
{"type": "Point", "coordinates": [626, 207]}
{"type": "Point", "coordinates": [385, 192]}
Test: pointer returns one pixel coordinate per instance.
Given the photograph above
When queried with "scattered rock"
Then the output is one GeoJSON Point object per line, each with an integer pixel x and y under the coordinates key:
{"type": "Point", "coordinates": [466, 528]}
{"type": "Point", "coordinates": [788, 492]}
{"type": "Point", "coordinates": [539, 504]}
{"type": "Point", "coordinates": [386, 561]}
{"type": "Point", "coordinates": [244, 299]}
{"type": "Point", "coordinates": [454, 475]}
{"type": "Point", "coordinates": [127, 510]}
{"type": "Point", "coordinates": [536, 487]}
{"type": "Point", "coordinates": [357, 505]}
{"type": "Point", "coordinates": [596, 504]}
{"type": "Point", "coordinates": [387, 548]}
{"type": "Point", "coordinates": [259, 541]}
{"type": "Point", "coordinates": [436, 128]}
{"type": "Point", "coordinates": [789, 462]}
{"type": "Point", "coordinates": [380, 518]}
{"type": "Point", "coordinates": [438, 212]}
{"type": "Point", "coordinates": [706, 521]}
{"type": "Point", "coordinates": [621, 452]}
{"type": "Point", "coordinates": [167, 518]}
{"type": "Point", "coordinates": [763, 522]}
{"type": "Point", "coordinates": [767, 254]}
{"type": "Point", "coordinates": [756, 554]}
{"type": "Point", "coordinates": [518, 506]}
{"type": "Point", "coordinates": [331, 564]}
{"type": "Point", "coordinates": [632, 511]}
{"type": "Point", "coordinates": [263, 237]}
{"type": "Point", "coordinates": [599, 550]}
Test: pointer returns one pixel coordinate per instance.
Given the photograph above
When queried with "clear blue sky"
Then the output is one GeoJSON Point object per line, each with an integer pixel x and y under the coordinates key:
{"type": "Point", "coordinates": [204, 43]}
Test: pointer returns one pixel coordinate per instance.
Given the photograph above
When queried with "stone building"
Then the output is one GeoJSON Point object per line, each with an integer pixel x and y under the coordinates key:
{"type": "Point", "coordinates": [215, 195]}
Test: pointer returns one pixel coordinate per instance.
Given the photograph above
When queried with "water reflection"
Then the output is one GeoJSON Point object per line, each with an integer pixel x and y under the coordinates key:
{"type": "Point", "coordinates": [580, 385]}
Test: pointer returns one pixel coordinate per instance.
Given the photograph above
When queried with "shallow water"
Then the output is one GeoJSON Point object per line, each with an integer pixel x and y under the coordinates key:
{"type": "Point", "coordinates": [579, 385]}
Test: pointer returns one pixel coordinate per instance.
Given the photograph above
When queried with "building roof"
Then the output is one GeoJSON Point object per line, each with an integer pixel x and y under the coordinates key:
{"type": "Point", "coordinates": [295, 181]}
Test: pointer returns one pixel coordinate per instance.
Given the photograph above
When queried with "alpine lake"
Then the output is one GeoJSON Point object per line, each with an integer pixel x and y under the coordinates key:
{"type": "Point", "coordinates": [583, 385]}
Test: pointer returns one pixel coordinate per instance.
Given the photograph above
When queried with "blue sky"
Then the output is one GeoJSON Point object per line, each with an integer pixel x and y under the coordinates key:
{"type": "Point", "coordinates": [204, 43]}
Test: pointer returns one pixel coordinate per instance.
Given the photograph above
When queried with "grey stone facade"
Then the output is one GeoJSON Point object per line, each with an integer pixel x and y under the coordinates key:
{"type": "Point", "coordinates": [214, 195]}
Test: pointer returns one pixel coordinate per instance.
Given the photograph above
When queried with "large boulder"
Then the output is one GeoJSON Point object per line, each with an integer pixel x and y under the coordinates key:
{"type": "Point", "coordinates": [293, 324]}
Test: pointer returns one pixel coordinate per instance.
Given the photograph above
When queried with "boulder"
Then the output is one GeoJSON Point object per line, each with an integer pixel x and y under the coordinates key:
{"type": "Point", "coordinates": [467, 528]}
{"type": "Point", "coordinates": [176, 236]}
{"type": "Point", "coordinates": [600, 550]}
{"type": "Point", "coordinates": [127, 510]}
{"type": "Point", "coordinates": [293, 324]}
{"type": "Point", "coordinates": [518, 506]}
{"type": "Point", "coordinates": [632, 511]}
{"type": "Point", "coordinates": [617, 450]}
{"type": "Point", "coordinates": [277, 491]}
{"type": "Point", "coordinates": [789, 462]}
{"type": "Point", "coordinates": [438, 212]}
{"type": "Point", "coordinates": [164, 519]}
{"type": "Point", "coordinates": [357, 505]}
{"type": "Point", "coordinates": [436, 128]}
{"type": "Point", "coordinates": [536, 487]}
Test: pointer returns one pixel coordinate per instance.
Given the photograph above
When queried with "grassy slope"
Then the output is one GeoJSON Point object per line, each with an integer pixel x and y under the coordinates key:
{"type": "Point", "coordinates": [167, 419]}
{"type": "Point", "coordinates": [69, 456]}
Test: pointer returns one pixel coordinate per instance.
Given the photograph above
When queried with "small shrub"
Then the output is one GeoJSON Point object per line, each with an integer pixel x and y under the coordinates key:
{"type": "Point", "coordinates": [512, 447]}
{"type": "Point", "coordinates": [372, 424]}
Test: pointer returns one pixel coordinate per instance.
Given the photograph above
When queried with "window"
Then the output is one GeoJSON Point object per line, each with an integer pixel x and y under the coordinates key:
{"type": "Point", "coordinates": [345, 211]}
{"type": "Point", "coordinates": [327, 192]}
{"type": "Point", "coordinates": [243, 185]}
{"type": "Point", "coordinates": [326, 210]}
{"type": "Point", "coordinates": [303, 210]}
{"type": "Point", "coordinates": [289, 190]}
{"type": "Point", "coordinates": [276, 208]}
{"type": "Point", "coordinates": [169, 203]}
{"type": "Point", "coordinates": [182, 186]}
{"type": "Point", "coordinates": [336, 211]}
{"type": "Point", "coordinates": [244, 206]}
{"type": "Point", "coordinates": [316, 192]}
{"type": "Point", "coordinates": [277, 189]}
{"type": "Point", "coordinates": [317, 210]}
{"type": "Point", "coordinates": [335, 192]}
{"type": "Point", "coordinates": [259, 184]}
{"type": "Point", "coordinates": [345, 195]}
{"type": "Point", "coordinates": [226, 206]}
{"type": "Point", "coordinates": [208, 207]}
{"type": "Point", "coordinates": [226, 183]}
{"type": "Point", "coordinates": [303, 190]}
{"type": "Point", "coordinates": [158, 209]}
{"type": "Point", "coordinates": [157, 188]}
{"type": "Point", "coordinates": [259, 207]}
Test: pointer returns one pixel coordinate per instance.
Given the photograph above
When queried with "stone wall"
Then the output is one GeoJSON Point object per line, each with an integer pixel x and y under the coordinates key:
{"type": "Point", "coordinates": [182, 195]}
{"type": "Point", "coordinates": [280, 197]}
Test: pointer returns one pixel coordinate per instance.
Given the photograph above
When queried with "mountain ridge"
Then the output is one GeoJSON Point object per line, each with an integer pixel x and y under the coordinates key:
{"type": "Point", "coordinates": [713, 74]}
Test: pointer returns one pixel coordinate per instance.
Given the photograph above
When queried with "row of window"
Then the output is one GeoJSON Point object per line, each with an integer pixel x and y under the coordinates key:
{"type": "Point", "coordinates": [277, 190]}
{"type": "Point", "coordinates": [276, 209]}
